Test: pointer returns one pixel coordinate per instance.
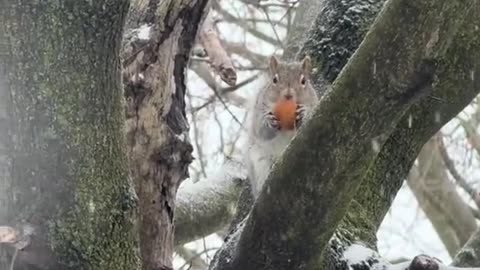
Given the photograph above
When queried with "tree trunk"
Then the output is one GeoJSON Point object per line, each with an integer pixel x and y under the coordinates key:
{"type": "Point", "coordinates": [159, 149]}
{"type": "Point", "coordinates": [67, 166]}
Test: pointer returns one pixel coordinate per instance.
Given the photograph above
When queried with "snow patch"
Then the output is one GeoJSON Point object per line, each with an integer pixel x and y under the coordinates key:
{"type": "Point", "coordinates": [357, 254]}
{"type": "Point", "coordinates": [144, 32]}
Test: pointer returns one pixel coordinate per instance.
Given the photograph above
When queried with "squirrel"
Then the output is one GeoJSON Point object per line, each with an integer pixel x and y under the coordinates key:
{"type": "Point", "coordinates": [279, 109]}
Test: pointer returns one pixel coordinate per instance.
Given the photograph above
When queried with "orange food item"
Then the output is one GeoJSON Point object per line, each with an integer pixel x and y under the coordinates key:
{"type": "Point", "coordinates": [285, 111]}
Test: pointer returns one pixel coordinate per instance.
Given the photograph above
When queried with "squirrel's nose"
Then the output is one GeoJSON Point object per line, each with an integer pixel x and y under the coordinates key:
{"type": "Point", "coordinates": [288, 96]}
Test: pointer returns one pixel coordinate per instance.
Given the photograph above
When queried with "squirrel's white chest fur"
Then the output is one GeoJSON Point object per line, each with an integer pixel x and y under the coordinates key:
{"type": "Point", "coordinates": [262, 155]}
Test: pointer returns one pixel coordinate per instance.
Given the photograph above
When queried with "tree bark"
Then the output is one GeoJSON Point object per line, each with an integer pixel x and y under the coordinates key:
{"type": "Point", "coordinates": [453, 91]}
{"type": "Point", "coordinates": [68, 167]}
{"type": "Point", "coordinates": [157, 129]}
{"type": "Point", "coordinates": [368, 98]}
{"type": "Point", "coordinates": [339, 29]}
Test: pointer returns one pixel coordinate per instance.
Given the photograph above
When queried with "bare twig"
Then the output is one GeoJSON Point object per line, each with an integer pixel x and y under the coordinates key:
{"type": "Point", "coordinates": [454, 172]}
{"type": "Point", "coordinates": [193, 259]}
{"type": "Point", "coordinates": [265, 10]}
{"type": "Point", "coordinates": [196, 137]}
{"type": "Point", "coordinates": [220, 98]}
{"type": "Point", "coordinates": [251, 30]}
{"type": "Point", "coordinates": [219, 58]}
{"type": "Point", "coordinates": [222, 91]}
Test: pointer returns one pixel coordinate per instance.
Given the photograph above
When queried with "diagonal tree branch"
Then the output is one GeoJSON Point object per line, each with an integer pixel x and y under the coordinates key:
{"type": "Point", "coordinates": [367, 100]}
{"type": "Point", "coordinates": [454, 172]}
{"type": "Point", "coordinates": [218, 57]}
{"type": "Point", "coordinates": [438, 198]}
{"type": "Point", "coordinates": [453, 91]}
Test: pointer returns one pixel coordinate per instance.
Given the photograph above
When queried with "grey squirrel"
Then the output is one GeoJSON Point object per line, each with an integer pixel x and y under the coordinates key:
{"type": "Point", "coordinates": [279, 109]}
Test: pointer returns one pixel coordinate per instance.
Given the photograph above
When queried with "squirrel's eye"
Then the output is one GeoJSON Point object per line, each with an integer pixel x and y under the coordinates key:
{"type": "Point", "coordinates": [275, 78]}
{"type": "Point", "coordinates": [303, 80]}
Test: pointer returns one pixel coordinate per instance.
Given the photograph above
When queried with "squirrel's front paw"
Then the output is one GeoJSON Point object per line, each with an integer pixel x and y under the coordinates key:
{"type": "Point", "coordinates": [272, 121]}
{"type": "Point", "coordinates": [300, 115]}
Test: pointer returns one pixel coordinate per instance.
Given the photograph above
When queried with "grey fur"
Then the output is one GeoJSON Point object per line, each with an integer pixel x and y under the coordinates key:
{"type": "Point", "coordinates": [266, 142]}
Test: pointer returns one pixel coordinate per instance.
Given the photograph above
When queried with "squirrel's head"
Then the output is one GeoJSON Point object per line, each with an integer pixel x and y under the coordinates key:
{"type": "Point", "coordinates": [290, 81]}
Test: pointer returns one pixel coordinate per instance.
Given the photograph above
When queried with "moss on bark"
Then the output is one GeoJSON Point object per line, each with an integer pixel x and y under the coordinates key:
{"type": "Point", "coordinates": [309, 190]}
{"type": "Point", "coordinates": [69, 162]}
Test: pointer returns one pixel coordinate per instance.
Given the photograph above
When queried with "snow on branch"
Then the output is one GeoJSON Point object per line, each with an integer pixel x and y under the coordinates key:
{"type": "Point", "coordinates": [209, 205]}
{"type": "Point", "coordinates": [359, 257]}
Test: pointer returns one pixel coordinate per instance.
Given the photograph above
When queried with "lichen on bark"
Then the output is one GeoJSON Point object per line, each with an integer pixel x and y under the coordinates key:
{"type": "Point", "coordinates": [69, 161]}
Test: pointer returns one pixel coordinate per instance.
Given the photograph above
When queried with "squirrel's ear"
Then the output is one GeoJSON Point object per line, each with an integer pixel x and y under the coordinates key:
{"type": "Point", "coordinates": [273, 64]}
{"type": "Point", "coordinates": [306, 65]}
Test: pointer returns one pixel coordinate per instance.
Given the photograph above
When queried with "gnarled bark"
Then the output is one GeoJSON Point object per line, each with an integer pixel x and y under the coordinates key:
{"type": "Point", "coordinates": [155, 54]}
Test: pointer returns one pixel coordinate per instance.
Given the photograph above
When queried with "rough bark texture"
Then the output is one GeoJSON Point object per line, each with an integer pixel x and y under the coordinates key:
{"type": "Point", "coordinates": [157, 130]}
{"type": "Point", "coordinates": [67, 157]}
{"type": "Point", "coordinates": [338, 31]}
{"type": "Point", "coordinates": [438, 198]}
{"type": "Point", "coordinates": [453, 90]}
{"type": "Point", "coordinates": [367, 100]}
{"type": "Point", "coordinates": [305, 16]}
{"type": "Point", "coordinates": [332, 40]}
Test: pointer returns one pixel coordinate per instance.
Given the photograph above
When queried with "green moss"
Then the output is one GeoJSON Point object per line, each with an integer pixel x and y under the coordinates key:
{"type": "Point", "coordinates": [72, 176]}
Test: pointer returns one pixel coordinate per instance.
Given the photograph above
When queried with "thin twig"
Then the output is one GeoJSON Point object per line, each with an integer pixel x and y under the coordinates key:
{"type": "Point", "coordinates": [190, 260]}
{"type": "Point", "coordinates": [220, 98]}
{"type": "Point", "coordinates": [265, 10]}
{"type": "Point", "coordinates": [196, 139]}
{"type": "Point", "coordinates": [224, 91]}
{"type": "Point", "coordinates": [251, 30]}
{"type": "Point", "coordinates": [453, 170]}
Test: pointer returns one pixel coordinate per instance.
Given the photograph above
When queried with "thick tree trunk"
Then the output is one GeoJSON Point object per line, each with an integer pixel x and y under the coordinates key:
{"type": "Point", "coordinates": [67, 166]}
{"type": "Point", "coordinates": [159, 149]}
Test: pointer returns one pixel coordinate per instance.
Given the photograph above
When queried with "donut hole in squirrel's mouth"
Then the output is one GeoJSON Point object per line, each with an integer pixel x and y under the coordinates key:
{"type": "Point", "coordinates": [285, 111]}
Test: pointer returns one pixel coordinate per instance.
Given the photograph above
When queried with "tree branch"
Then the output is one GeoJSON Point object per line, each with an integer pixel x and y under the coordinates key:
{"type": "Point", "coordinates": [452, 92]}
{"type": "Point", "coordinates": [368, 99]}
{"type": "Point", "coordinates": [157, 130]}
{"type": "Point", "coordinates": [462, 182]}
{"type": "Point", "coordinates": [208, 206]}
{"type": "Point", "coordinates": [218, 57]}
{"type": "Point", "coordinates": [251, 30]}
{"type": "Point", "coordinates": [438, 198]}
